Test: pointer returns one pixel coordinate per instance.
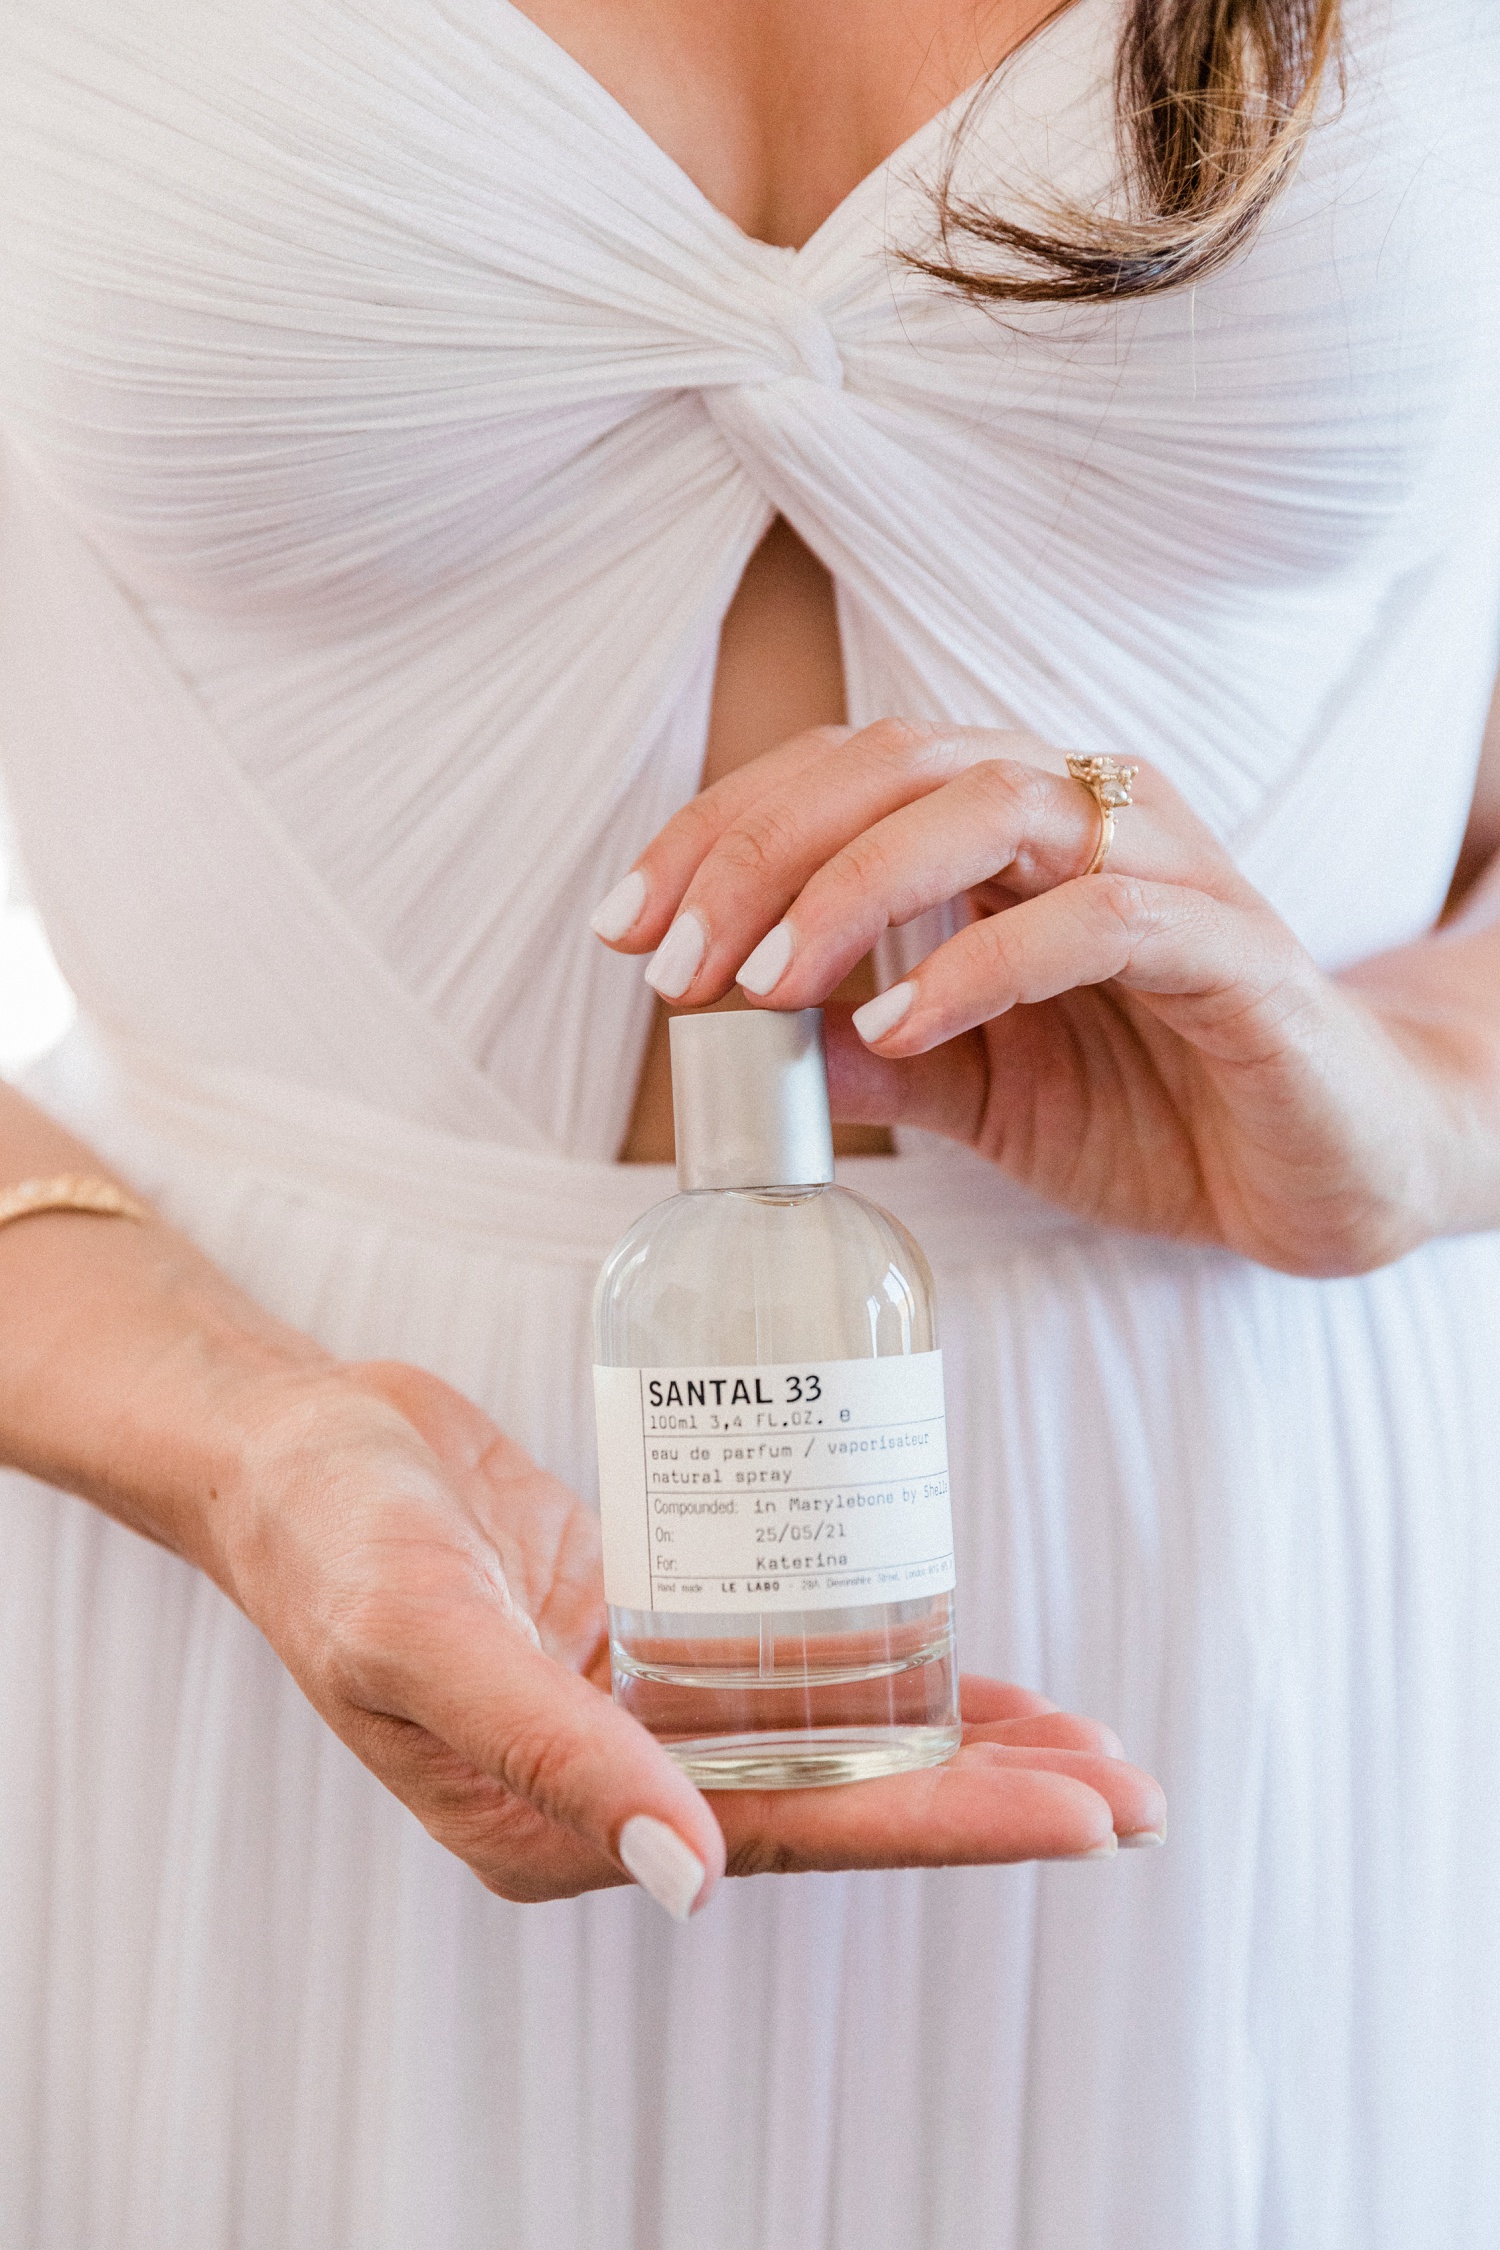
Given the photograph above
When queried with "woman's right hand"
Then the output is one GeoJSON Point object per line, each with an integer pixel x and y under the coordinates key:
{"type": "Point", "coordinates": [438, 1597]}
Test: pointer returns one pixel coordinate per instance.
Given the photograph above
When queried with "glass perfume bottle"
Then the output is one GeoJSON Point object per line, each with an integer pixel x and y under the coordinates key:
{"type": "Point", "coordinates": [778, 1547]}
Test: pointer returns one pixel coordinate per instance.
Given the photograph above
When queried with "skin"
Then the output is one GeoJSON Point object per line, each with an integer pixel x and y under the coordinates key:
{"type": "Point", "coordinates": [1148, 1046]}
{"type": "Point", "coordinates": [437, 1595]}
{"type": "Point", "coordinates": [775, 109]}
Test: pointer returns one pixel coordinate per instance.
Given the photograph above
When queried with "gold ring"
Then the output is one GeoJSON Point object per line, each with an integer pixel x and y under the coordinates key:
{"type": "Point", "coordinates": [1109, 786]}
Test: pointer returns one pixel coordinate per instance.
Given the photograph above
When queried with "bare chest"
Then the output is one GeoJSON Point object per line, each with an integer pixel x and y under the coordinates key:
{"type": "Point", "coordinates": [776, 109]}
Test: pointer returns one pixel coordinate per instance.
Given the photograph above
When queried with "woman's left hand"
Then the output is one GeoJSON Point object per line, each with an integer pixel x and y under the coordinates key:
{"type": "Point", "coordinates": [1148, 1046]}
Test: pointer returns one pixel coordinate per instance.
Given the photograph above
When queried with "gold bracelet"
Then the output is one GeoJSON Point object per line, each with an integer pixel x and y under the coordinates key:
{"type": "Point", "coordinates": [69, 1192]}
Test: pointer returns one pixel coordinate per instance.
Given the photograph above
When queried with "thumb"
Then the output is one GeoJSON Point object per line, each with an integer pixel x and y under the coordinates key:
{"type": "Point", "coordinates": [942, 1091]}
{"type": "Point", "coordinates": [568, 1752]}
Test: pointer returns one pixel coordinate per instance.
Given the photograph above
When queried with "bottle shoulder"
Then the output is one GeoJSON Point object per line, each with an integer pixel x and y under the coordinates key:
{"type": "Point", "coordinates": [788, 1215]}
{"type": "Point", "coordinates": [773, 1269]}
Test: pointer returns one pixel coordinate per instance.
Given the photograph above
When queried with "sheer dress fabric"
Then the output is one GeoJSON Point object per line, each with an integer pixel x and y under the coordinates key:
{"type": "Point", "coordinates": [387, 424]}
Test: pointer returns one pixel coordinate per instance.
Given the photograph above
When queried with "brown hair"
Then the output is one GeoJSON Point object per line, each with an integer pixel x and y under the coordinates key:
{"type": "Point", "coordinates": [1215, 99]}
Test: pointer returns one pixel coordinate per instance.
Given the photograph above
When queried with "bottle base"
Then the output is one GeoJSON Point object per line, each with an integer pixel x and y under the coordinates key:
{"type": "Point", "coordinates": [810, 1759]}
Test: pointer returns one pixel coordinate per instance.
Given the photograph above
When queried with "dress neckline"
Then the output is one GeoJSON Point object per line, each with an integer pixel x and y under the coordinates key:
{"type": "Point", "coordinates": [567, 63]}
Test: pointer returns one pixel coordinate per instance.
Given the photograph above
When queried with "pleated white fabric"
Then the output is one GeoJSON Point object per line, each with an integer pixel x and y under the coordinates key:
{"type": "Point", "coordinates": [388, 423]}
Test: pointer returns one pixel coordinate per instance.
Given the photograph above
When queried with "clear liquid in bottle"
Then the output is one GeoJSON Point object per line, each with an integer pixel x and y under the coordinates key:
{"type": "Point", "coordinates": [774, 1489]}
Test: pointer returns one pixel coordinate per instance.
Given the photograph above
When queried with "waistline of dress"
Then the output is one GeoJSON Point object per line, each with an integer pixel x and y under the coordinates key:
{"type": "Point", "coordinates": [369, 1164]}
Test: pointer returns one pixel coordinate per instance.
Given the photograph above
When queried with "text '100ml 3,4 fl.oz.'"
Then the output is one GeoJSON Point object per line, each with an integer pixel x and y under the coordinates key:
{"type": "Point", "coordinates": [778, 1544]}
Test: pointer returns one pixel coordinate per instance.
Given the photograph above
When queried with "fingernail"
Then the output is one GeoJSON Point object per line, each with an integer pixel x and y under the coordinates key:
{"type": "Point", "coordinates": [884, 1012]}
{"type": "Point", "coordinates": [1140, 1839]}
{"type": "Point", "coordinates": [662, 1864]}
{"type": "Point", "coordinates": [767, 965]}
{"type": "Point", "coordinates": [674, 964]}
{"type": "Point", "coordinates": [621, 907]}
{"type": "Point", "coordinates": [1100, 1851]}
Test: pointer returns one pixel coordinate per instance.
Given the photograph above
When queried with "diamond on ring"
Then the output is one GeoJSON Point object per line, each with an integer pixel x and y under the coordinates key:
{"type": "Point", "coordinates": [1108, 783]}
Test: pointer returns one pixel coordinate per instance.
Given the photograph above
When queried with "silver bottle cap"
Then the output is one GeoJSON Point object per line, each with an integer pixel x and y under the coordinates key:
{"type": "Point", "coordinates": [750, 1100]}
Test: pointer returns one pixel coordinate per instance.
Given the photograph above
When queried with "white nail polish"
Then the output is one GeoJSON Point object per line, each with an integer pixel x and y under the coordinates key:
{"type": "Point", "coordinates": [1100, 1851]}
{"type": "Point", "coordinates": [1140, 1839]}
{"type": "Point", "coordinates": [662, 1864]}
{"type": "Point", "coordinates": [884, 1012]}
{"type": "Point", "coordinates": [767, 965]}
{"type": "Point", "coordinates": [620, 908]}
{"type": "Point", "coordinates": [674, 964]}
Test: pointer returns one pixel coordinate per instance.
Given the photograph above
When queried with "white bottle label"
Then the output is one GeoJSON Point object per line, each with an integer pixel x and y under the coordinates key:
{"type": "Point", "coordinates": [815, 1486]}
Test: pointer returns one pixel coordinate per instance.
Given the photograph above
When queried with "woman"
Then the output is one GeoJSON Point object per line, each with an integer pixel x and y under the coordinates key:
{"type": "Point", "coordinates": [441, 435]}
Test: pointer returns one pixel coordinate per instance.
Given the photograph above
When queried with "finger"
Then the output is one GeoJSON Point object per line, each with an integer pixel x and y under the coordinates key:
{"type": "Point", "coordinates": [769, 851]}
{"type": "Point", "coordinates": [548, 1737]}
{"type": "Point", "coordinates": [945, 1091]}
{"type": "Point", "coordinates": [1153, 938]}
{"type": "Point", "coordinates": [487, 1696]}
{"type": "Point", "coordinates": [868, 842]}
{"type": "Point", "coordinates": [999, 822]}
{"type": "Point", "coordinates": [984, 1700]}
{"type": "Point", "coordinates": [514, 1850]}
{"type": "Point", "coordinates": [635, 914]}
{"type": "Point", "coordinates": [520, 1855]}
{"type": "Point", "coordinates": [788, 828]}
{"type": "Point", "coordinates": [1002, 827]}
{"type": "Point", "coordinates": [840, 810]}
{"type": "Point", "coordinates": [1056, 1730]}
{"type": "Point", "coordinates": [988, 1805]}
{"type": "Point", "coordinates": [1137, 1801]}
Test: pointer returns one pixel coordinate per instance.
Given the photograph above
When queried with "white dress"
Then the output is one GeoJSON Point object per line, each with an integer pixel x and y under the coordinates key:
{"type": "Point", "coordinates": [388, 423]}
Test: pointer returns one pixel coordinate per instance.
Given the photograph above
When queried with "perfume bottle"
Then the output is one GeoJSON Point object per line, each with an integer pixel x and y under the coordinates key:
{"type": "Point", "coordinates": [778, 1545]}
